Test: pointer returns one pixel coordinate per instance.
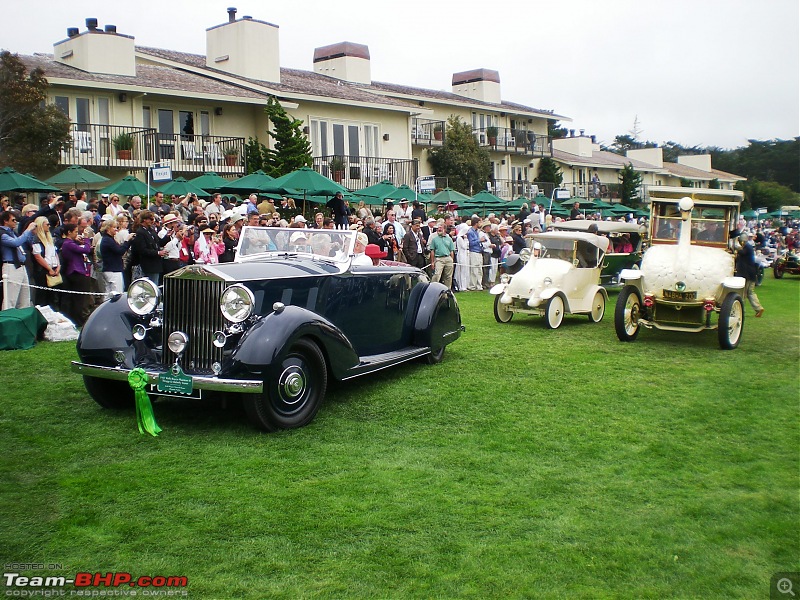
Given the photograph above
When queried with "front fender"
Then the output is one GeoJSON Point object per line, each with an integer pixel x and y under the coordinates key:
{"type": "Point", "coordinates": [630, 274]}
{"type": "Point", "coordinates": [548, 293]}
{"type": "Point", "coordinates": [438, 320]}
{"type": "Point", "coordinates": [108, 330]}
{"type": "Point", "coordinates": [734, 283]}
{"type": "Point", "coordinates": [266, 342]}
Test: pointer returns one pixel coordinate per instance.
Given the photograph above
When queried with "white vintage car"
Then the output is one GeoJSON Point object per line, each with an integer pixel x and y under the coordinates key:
{"type": "Point", "coordinates": [686, 277]}
{"type": "Point", "coordinates": [562, 275]}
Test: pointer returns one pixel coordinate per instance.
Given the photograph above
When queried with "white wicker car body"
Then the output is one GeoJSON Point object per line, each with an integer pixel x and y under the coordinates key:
{"type": "Point", "coordinates": [686, 281]}
{"type": "Point", "coordinates": [562, 277]}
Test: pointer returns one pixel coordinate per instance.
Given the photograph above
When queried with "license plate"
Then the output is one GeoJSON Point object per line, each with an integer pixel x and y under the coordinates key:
{"type": "Point", "coordinates": [675, 295]}
{"type": "Point", "coordinates": [174, 382]}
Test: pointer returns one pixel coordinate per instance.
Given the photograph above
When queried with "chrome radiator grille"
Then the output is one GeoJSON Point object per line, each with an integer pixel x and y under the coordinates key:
{"type": "Point", "coordinates": [192, 306]}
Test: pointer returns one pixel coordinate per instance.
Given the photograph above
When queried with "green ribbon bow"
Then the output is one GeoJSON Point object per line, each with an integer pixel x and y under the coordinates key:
{"type": "Point", "coordinates": [137, 379]}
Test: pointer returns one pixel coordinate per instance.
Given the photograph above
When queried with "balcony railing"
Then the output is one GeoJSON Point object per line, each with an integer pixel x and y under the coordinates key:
{"type": "Point", "coordinates": [356, 172]}
{"type": "Point", "coordinates": [427, 133]}
{"type": "Point", "coordinates": [518, 141]}
{"type": "Point", "coordinates": [136, 148]}
{"type": "Point", "coordinates": [509, 189]}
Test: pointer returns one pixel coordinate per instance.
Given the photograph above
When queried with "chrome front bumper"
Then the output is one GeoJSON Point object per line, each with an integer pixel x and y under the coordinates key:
{"type": "Point", "coordinates": [199, 382]}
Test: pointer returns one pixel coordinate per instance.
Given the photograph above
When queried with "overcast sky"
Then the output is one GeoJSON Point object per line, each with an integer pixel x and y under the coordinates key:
{"type": "Point", "coordinates": [696, 72]}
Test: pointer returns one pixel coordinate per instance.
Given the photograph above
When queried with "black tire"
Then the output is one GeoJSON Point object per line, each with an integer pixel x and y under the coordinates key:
{"type": "Point", "coordinates": [777, 271]}
{"type": "Point", "coordinates": [731, 322]}
{"type": "Point", "coordinates": [434, 358]}
{"type": "Point", "coordinates": [554, 312]}
{"type": "Point", "coordinates": [626, 314]}
{"type": "Point", "coordinates": [501, 312]}
{"type": "Point", "coordinates": [109, 393]}
{"type": "Point", "coordinates": [598, 308]}
{"type": "Point", "coordinates": [293, 390]}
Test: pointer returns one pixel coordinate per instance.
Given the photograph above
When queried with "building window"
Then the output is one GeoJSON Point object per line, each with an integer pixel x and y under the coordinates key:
{"type": "Point", "coordinates": [166, 134]}
{"type": "Point", "coordinates": [186, 124]}
{"type": "Point", "coordinates": [82, 116]}
{"type": "Point", "coordinates": [205, 123]}
{"type": "Point", "coordinates": [62, 104]}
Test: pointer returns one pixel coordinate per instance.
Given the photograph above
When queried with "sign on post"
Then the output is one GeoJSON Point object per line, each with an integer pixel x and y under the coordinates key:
{"type": "Point", "coordinates": [427, 184]}
{"type": "Point", "coordinates": [160, 173]}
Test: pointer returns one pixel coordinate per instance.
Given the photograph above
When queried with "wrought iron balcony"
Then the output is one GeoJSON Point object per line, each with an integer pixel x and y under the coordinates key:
{"type": "Point", "coordinates": [136, 148]}
{"type": "Point", "coordinates": [356, 172]}
{"type": "Point", "coordinates": [427, 133]}
{"type": "Point", "coordinates": [517, 141]}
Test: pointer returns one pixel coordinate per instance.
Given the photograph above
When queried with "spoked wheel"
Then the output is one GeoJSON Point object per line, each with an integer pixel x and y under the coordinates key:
{"type": "Point", "coordinates": [109, 393]}
{"type": "Point", "coordinates": [731, 322]}
{"type": "Point", "coordinates": [598, 308]}
{"type": "Point", "coordinates": [626, 314]}
{"type": "Point", "coordinates": [293, 390]}
{"type": "Point", "coordinates": [501, 312]}
{"type": "Point", "coordinates": [777, 270]}
{"type": "Point", "coordinates": [554, 313]}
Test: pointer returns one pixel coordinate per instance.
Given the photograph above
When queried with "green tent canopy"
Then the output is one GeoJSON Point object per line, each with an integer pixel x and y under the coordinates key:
{"type": "Point", "coordinates": [76, 175]}
{"type": "Point", "coordinates": [252, 183]}
{"type": "Point", "coordinates": [180, 187]}
{"type": "Point", "coordinates": [210, 181]}
{"type": "Point", "coordinates": [127, 186]}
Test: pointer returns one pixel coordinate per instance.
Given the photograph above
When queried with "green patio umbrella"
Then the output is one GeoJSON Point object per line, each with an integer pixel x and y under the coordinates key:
{"type": "Point", "coordinates": [127, 186]}
{"type": "Point", "coordinates": [368, 200]}
{"type": "Point", "coordinates": [12, 181]}
{"type": "Point", "coordinates": [76, 175]}
{"type": "Point", "coordinates": [180, 187]}
{"type": "Point", "coordinates": [750, 214]}
{"type": "Point", "coordinates": [450, 195]}
{"type": "Point", "coordinates": [304, 181]}
{"type": "Point", "coordinates": [377, 191]}
{"type": "Point", "coordinates": [210, 181]}
{"type": "Point", "coordinates": [252, 183]}
{"type": "Point", "coordinates": [402, 192]}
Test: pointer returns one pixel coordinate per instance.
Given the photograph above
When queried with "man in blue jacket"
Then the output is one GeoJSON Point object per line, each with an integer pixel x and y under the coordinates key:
{"type": "Point", "coordinates": [17, 293]}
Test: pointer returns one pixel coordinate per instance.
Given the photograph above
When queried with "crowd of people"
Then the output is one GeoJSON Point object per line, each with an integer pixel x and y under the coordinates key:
{"type": "Point", "coordinates": [94, 248]}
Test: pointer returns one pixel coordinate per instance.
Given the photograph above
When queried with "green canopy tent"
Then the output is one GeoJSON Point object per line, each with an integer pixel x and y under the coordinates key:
{"type": "Point", "coordinates": [750, 214]}
{"type": "Point", "coordinates": [180, 187]}
{"type": "Point", "coordinates": [76, 175]}
{"type": "Point", "coordinates": [252, 183]}
{"type": "Point", "coordinates": [210, 181]}
{"type": "Point", "coordinates": [484, 202]}
{"type": "Point", "coordinates": [402, 192]}
{"type": "Point", "coordinates": [127, 186]}
{"type": "Point", "coordinates": [12, 181]}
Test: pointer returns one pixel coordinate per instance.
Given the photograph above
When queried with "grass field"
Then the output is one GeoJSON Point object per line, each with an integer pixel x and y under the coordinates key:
{"type": "Point", "coordinates": [530, 463]}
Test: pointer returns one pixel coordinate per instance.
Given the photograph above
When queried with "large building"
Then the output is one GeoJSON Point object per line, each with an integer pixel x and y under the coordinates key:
{"type": "Point", "coordinates": [133, 106]}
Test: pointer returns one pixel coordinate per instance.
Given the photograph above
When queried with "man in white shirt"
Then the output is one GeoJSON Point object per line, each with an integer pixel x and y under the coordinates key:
{"type": "Point", "coordinates": [399, 230]}
{"type": "Point", "coordinates": [403, 212]}
{"type": "Point", "coordinates": [215, 208]}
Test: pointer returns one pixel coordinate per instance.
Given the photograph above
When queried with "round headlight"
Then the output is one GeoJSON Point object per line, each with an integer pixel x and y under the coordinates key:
{"type": "Point", "coordinates": [237, 303]}
{"type": "Point", "coordinates": [504, 278]}
{"type": "Point", "coordinates": [548, 281]}
{"type": "Point", "coordinates": [143, 296]}
{"type": "Point", "coordinates": [177, 341]}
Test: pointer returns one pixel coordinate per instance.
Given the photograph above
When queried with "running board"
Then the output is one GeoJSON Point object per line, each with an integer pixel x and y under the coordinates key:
{"type": "Point", "coordinates": [376, 362]}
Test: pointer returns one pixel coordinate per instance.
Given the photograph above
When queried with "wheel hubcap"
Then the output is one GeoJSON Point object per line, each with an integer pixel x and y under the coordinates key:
{"type": "Point", "coordinates": [292, 385]}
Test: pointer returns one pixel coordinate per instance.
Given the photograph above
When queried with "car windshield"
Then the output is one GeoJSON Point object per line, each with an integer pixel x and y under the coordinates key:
{"type": "Point", "coordinates": [556, 248]}
{"type": "Point", "coordinates": [329, 244]}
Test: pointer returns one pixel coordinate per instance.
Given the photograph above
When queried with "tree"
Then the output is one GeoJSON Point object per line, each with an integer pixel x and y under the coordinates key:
{"type": "Point", "coordinates": [555, 131]}
{"type": "Point", "coordinates": [460, 158]}
{"type": "Point", "coordinates": [550, 172]}
{"type": "Point", "coordinates": [292, 149]}
{"type": "Point", "coordinates": [32, 134]}
{"type": "Point", "coordinates": [767, 194]}
{"type": "Point", "coordinates": [255, 155]}
{"type": "Point", "coordinates": [629, 183]}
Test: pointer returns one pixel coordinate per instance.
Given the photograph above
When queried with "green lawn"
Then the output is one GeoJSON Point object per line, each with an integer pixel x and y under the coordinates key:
{"type": "Point", "coordinates": [530, 463]}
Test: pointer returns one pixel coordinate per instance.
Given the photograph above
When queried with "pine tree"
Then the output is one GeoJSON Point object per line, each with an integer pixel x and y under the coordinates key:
{"type": "Point", "coordinates": [629, 183]}
{"type": "Point", "coordinates": [32, 134]}
{"type": "Point", "coordinates": [292, 149]}
{"type": "Point", "coordinates": [460, 159]}
{"type": "Point", "coordinates": [550, 172]}
{"type": "Point", "coordinates": [255, 155]}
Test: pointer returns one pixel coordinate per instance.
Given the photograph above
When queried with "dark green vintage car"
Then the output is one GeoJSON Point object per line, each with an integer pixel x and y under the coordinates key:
{"type": "Point", "coordinates": [619, 235]}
